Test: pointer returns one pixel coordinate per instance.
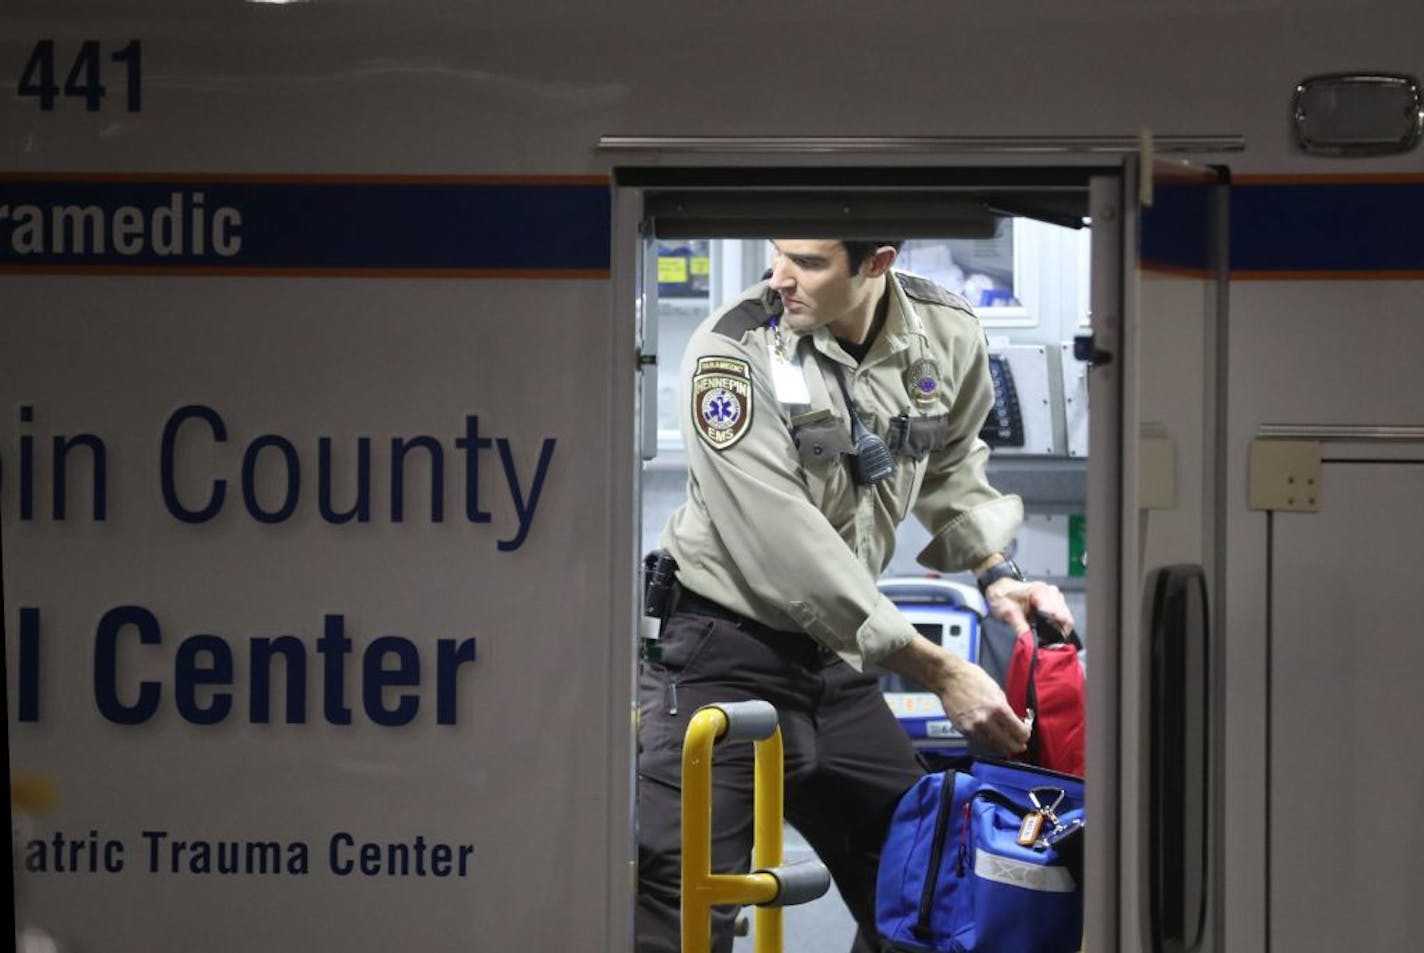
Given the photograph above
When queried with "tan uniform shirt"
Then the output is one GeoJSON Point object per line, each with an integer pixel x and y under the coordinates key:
{"type": "Point", "coordinates": [774, 526]}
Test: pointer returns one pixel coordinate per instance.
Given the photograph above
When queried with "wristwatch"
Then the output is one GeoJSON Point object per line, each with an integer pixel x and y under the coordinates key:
{"type": "Point", "coordinates": [1004, 570]}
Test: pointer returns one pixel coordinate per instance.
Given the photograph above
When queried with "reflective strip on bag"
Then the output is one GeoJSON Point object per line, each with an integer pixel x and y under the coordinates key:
{"type": "Point", "coordinates": [1019, 873]}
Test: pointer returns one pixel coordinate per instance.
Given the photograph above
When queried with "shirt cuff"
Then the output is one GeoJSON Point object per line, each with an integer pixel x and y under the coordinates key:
{"type": "Point", "coordinates": [885, 632]}
{"type": "Point", "coordinates": [972, 535]}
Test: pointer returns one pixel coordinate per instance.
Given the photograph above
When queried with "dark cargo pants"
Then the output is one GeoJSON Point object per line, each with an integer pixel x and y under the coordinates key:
{"type": "Point", "coordinates": [847, 761]}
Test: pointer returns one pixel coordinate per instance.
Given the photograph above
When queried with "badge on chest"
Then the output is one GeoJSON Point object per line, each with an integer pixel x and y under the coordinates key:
{"type": "Point", "coordinates": [922, 381]}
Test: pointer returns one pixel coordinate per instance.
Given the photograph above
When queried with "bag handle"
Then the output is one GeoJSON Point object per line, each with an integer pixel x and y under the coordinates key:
{"type": "Point", "coordinates": [1047, 633]}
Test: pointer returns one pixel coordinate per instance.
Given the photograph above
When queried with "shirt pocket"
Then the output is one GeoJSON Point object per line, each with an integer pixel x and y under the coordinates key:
{"type": "Point", "coordinates": [821, 444]}
{"type": "Point", "coordinates": [925, 435]}
{"type": "Point", "coordinates": [914, 438]}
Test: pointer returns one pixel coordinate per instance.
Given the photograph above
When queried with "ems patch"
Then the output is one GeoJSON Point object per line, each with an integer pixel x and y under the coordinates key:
{"type": "Point", "coordinates": [721, 400]}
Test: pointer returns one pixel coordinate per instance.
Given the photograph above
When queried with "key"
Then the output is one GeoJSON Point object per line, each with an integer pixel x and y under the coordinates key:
{"type": "Point", "coordinates": [1030, 829]}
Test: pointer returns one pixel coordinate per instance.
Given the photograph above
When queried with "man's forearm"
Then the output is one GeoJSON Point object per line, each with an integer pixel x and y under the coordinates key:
{"type": "Point", "coordinates": [972, 700]}
{"type": "Point", "coordinates": [924, 662]}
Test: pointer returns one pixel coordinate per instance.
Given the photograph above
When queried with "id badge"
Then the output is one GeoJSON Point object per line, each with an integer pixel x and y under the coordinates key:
{"type": "Point", "coordinates": [787, 379]}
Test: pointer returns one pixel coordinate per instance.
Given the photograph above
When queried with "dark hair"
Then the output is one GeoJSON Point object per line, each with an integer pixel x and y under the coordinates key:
{"type": "Point", "coordinates": [857, 252]}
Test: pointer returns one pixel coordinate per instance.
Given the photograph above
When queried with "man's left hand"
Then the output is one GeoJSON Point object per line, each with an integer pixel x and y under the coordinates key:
{"type": "Point", "coordinates": [1011, 602]}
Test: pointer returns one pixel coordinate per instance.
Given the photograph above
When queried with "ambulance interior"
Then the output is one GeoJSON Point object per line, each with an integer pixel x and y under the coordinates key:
{"type": "Point", "coordinates": [1028, 281]}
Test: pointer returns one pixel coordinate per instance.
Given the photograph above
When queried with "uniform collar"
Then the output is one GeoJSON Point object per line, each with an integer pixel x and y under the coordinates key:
{"type": "Point", "coordinates": [902, 327]}
{"type": "Point", "coordinates": [902, 323]}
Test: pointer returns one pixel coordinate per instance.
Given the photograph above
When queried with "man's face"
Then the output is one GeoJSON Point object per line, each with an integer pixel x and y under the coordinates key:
{"type": "Point", "coordinates": [815, 284]}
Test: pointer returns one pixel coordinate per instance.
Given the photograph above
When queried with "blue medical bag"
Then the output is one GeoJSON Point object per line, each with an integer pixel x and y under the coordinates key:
{"type": "Point", "coordinates": [985, 856]}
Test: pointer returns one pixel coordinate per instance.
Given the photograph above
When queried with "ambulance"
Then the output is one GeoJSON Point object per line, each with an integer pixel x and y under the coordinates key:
{"type": "Point", "coordinates": [335, 343]}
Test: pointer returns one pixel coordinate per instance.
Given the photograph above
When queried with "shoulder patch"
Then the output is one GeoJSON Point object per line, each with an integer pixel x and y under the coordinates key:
{"type": "Point", "coordinates": [922, 289]}
{"type": "Point", "coordinates": [740, 320]}
{"type": "Point", "coordinates": [721, 400]}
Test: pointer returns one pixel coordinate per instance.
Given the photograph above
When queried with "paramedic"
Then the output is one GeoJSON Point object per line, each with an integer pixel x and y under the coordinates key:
{"type": "Point", "coordinates": [790, 519]}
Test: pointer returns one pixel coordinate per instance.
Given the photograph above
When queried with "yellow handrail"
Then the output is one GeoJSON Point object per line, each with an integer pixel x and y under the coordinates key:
{"type": "Point", "coordinates": [702, 889]}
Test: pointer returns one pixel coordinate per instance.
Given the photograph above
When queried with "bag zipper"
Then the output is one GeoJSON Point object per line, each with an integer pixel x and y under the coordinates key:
{"type": "Point", "coordinates": [921, 929]}
{"type": "Point", "coordinates": [964, 837]}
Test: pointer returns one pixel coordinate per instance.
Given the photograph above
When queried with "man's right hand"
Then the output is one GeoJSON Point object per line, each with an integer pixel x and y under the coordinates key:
{"type": "Point", "coordinates": [973, 701]}
{"type": "Point", "coordinates": [980, 710]}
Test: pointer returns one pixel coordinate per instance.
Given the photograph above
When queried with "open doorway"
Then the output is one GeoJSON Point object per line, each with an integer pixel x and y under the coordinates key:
{"type": "Point", "coordinates": [1022, 260]}
{"type": "Point", "coordinates": [1028, 283]}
